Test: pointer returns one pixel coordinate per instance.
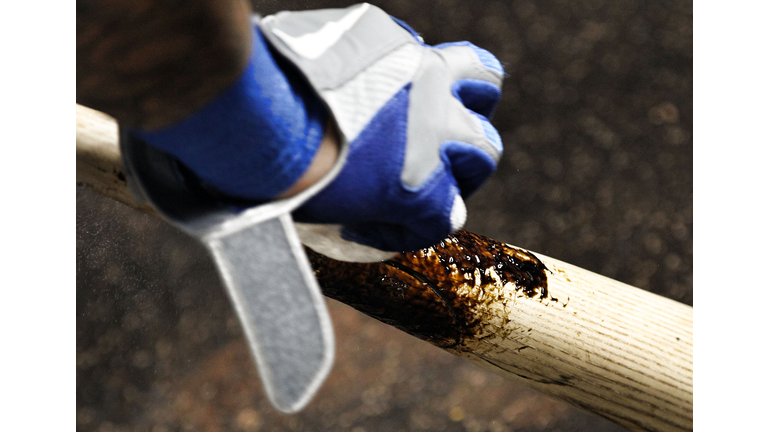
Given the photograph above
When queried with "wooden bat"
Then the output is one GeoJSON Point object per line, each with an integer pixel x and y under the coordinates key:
{"type": "Point", "coordinates": [610, 348]}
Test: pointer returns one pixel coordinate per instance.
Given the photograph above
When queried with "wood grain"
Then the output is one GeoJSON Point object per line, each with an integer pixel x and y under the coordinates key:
{"type": "Point", "coordinates": [610, 348]}
{"type": "Point", "coordinates": [98, 157]}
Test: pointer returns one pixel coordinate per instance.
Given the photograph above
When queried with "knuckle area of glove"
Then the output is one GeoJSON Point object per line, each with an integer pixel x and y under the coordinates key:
{"type": "Point", "coordinates": [462, 62]}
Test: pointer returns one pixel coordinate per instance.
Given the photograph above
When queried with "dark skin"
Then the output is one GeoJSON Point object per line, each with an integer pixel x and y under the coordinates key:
{"type": "Point", "coordinates": [150, 63]}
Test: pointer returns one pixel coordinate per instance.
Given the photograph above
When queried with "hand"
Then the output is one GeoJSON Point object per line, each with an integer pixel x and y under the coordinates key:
{"type": "Point", "coordinates": [413, 121]}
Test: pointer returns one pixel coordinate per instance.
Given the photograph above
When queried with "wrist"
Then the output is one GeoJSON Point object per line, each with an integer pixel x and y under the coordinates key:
{"type": "Point", "coordinates": [325, 158]}
{"type": "Point", "coordinates": [255, 140]}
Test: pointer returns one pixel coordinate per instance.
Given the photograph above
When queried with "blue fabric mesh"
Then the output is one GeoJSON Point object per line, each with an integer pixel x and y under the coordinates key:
{"type": "Point", "coordinates": [257, 138]}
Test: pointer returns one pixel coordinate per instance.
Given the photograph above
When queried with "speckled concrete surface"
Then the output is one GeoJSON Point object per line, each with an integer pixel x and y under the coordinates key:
{"type": "Point", "coordinates": [597, 126]}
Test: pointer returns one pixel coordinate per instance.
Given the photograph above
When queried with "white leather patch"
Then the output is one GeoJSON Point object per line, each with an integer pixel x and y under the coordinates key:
{"type": "Point", "coordinates": [458, 213]}
{"type": "Point", "coordinates": [356, 102]}
{"type": "Point", "coordinates": [326, 239]}
{"type": "Point", "coordinates": [313, 45]}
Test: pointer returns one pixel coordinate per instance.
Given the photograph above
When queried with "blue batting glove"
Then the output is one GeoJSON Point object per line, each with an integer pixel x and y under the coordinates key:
{"type": "Point", "coordinates": [414, 118]}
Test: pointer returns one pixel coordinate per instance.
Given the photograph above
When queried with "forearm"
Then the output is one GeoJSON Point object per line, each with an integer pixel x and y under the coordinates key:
{"type": "Point", "coordinates": [151, 63]}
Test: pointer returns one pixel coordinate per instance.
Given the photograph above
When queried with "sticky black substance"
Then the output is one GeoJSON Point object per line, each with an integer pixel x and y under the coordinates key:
{"type": "Point", "coordinates": [417, 291]}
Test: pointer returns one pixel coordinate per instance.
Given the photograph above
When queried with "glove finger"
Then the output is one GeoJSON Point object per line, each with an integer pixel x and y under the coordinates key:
{"type": "Point", "coordinates": [412, 235]}
{"type": "Point", "coordinates": [470, 165]}
{"type": "Point", "coordinates": [480, 97]}
{"type": "Point", "coordinates": [470, 61]}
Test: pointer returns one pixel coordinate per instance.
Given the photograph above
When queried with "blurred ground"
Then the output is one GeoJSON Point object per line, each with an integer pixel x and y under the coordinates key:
{"type": "Point", "coordinates": [597, 125]}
